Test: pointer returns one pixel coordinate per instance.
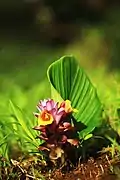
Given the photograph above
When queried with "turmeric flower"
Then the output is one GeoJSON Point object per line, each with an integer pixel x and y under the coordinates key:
{"type": "Point", "coordinates": [54, 124]}
{"type": "Point", "coordinates": [51, 111]}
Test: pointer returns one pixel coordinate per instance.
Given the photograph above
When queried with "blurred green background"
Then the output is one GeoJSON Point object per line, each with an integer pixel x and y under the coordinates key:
{"type": "Point", "coordinates": [34, 33]}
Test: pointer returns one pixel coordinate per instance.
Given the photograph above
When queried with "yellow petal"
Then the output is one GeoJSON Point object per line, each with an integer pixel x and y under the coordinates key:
{"type": "Point", "coordinates": [45, 118]}
{"type": "Point", "coordinates": [75, 110]}
{"type": "Point", "coordinates": [68, 107]}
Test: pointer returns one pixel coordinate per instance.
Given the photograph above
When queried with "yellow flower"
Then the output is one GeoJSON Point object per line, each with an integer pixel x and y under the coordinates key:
{"type": "Point", "coordinates": [68, 107]}
{"type": "Point", "coordinates": [45, 118]}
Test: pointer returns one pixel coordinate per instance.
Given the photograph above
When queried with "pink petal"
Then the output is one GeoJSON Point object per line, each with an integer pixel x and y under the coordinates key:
{"type": "Point", "coordinates": [43, 103]}
{"type": "Point", "coordinates": [56, 105]}
{"type": "Point", "coordinates": [58, 118]}
{"type": "Point", "coordinates": [40, 107]}
{"type": "Point", "coordinates": [52, 102]}
{"type": "Point", "coordinates": [61, 110]}
{"type": "Point", "coordinates": [53, 112]}
{"type": "Point", "coordinates": [49, 105]}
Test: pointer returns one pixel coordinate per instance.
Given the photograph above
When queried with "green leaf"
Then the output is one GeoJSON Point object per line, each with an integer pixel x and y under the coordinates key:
{"type": "Point", "coordinates": [69, 81]}
{"type": "Point", "coordinates": [88, 137]}
{"type": "Point", "coordinates": [20, 118]}
{"type": "Point", "coordinates": [118, 112]}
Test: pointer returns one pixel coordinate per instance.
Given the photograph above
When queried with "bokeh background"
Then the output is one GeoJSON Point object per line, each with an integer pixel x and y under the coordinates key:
{"type": "Point", "coordinates": [34, 33]}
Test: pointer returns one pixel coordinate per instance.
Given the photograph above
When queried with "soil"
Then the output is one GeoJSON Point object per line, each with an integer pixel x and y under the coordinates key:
{"type": "Point", "coordinates": [99, 168]}
{"type": "Point", "coordinates": [93, 169]}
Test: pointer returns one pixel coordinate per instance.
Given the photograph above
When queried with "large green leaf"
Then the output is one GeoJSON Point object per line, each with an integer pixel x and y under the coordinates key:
{"type": "Point", "coordinates": [69, 81]}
